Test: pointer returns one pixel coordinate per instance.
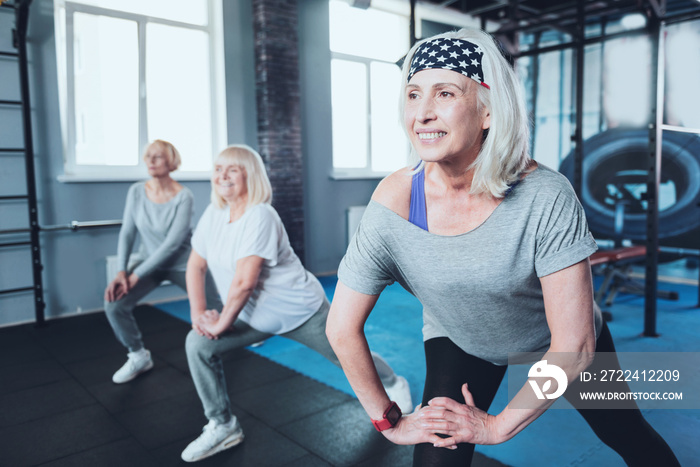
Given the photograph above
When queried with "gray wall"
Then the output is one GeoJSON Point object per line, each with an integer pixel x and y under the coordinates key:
{"type": "Point", "coordinates": [74, 261]}
{"type": "Point", "coordinates": [326, 200]}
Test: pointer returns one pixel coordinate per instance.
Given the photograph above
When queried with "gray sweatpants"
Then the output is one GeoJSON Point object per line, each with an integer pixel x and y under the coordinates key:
{"type": "Point", "coordinates": [120, 313]}
{"type": "Point", "coordinates": [204, 358]}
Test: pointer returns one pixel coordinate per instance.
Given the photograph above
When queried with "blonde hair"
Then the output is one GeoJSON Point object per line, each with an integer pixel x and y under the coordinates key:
{"type": "Point", "coordinates": [505, 150]}
{"type": "Point", "coordinates": [257, 182]}
{"type": "Point", "coordinates": [174, 159]}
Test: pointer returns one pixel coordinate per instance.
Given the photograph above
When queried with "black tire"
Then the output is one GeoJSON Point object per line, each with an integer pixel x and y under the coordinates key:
{"type": "Point", "coordinates": [615, 165]}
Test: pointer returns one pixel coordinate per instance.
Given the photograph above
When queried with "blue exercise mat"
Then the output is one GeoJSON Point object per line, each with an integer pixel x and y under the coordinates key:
{"type": "Point", "coordinates": [558, 437]}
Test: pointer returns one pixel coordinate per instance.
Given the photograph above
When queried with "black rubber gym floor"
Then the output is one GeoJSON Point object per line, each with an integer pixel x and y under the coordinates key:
{"type": "Point", "coordinates": [59, 407]}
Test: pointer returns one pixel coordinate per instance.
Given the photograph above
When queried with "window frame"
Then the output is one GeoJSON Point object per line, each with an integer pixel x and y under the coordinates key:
{"type": "Point", "coordinates": [64, 13]}
{"type": "Point", "coordinates": [365, 172]}
{"type": "Point", "coordinates": [422, 12]}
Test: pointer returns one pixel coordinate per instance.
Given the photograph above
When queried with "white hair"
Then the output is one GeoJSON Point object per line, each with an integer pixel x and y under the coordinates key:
{"type": "Point", "coordinates": [257, 183]}
{"type": "Point", "coordinates": [505, 151]}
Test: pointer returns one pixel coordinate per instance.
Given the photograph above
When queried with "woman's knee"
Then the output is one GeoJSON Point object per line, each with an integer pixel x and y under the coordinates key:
{"type": "Point", "coordinates": [109, 308]}
{"type": "Point", "coordinates": [116, 308]}
{"type": "Point", "coordinates": [198, 345]}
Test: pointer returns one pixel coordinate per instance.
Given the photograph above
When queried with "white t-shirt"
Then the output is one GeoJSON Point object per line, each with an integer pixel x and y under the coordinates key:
{"type": "Point", "coordinates": [287, 294]}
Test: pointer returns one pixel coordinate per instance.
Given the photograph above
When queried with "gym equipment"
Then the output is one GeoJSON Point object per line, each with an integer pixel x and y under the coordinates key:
{"type": "Point", "coordinates": [613, 195]}
{"type": "Point", "coordinates": [615, 167]}
{"type": "Point", "coordinates": [615, 266]}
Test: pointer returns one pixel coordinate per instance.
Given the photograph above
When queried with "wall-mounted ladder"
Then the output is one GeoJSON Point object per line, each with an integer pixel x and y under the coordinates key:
{"type": "Point", "coordinates": [19, 40]}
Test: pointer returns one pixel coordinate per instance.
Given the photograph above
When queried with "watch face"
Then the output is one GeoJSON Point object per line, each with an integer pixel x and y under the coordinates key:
{"type": "Point", "coordinates": [393, 414]}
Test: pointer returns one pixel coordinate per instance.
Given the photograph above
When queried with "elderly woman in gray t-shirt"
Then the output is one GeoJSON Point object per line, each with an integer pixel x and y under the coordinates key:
{"type": "Point", "coordinates": [160, 212]}
{"type": "Point", "coordinates": [495, 246]}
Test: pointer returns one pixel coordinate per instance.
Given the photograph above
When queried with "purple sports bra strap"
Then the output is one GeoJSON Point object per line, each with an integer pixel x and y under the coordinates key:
{"type": "Point", "coordinates": [417, 214]}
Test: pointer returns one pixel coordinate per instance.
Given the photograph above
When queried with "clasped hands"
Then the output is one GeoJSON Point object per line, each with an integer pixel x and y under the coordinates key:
{"type": "Point", "coordinates": [207, 324]}
{"type": "Point", "coordinates": [460, 423]}
{"type": "Point", "coordinates": [120, 286]}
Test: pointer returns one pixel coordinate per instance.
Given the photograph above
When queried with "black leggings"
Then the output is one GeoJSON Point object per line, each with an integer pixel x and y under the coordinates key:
{"type": "Point", "coordinates": [626, 431]}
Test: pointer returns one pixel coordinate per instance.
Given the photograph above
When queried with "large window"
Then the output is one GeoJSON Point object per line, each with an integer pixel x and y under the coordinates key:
{"type": "Point", "coordinates": [617, 87]}
{"type": "Point", "coordinates": [132, 71]}
{"type": "Point", "coordinates": [365, 83]}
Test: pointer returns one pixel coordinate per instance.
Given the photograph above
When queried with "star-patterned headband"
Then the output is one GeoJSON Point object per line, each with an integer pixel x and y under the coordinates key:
{"type": "Point", "coordinates": [457, 55]}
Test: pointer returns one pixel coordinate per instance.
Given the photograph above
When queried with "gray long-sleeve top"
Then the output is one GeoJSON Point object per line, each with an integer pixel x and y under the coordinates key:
{"type": "Point", "coordinates": [164, 229]}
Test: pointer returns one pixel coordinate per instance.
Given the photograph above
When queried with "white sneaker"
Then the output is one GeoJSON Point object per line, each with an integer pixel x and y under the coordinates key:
{"type": "Point", "coordinates": [215, 437]}
{"type": "Point", "coordinates": [138, 362]}
{"type": "Point", "coordinates": [400, 392]}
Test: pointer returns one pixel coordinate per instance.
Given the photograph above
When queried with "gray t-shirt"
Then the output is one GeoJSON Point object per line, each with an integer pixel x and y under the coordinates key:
{"type": "Point", "coordinates": [164, 230]}
{"type": "Point", "coordinates": [481, 289]}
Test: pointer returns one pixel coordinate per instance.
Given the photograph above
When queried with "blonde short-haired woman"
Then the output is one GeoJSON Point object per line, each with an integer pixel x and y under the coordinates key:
{"type": "Point", "coordinates": [159, 211]}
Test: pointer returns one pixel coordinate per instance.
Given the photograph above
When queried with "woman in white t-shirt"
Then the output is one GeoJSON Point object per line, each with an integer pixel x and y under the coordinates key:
{"type": "Point", "coordinates": [265, 289]}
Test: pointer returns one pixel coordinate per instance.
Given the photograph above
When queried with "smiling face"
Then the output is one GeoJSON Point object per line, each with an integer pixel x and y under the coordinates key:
{"type": "Point", "coordinates": [442, 116]}
{"type": "Point", "coordinates": [229, 181]}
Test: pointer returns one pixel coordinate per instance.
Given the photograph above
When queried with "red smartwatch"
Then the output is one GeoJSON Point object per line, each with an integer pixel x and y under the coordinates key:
{"type": "Point", "coordinates": [390, 418]}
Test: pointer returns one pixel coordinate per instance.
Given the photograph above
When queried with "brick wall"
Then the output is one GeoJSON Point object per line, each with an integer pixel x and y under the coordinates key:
{"type": "Point", "coordinates": [278, 106]}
